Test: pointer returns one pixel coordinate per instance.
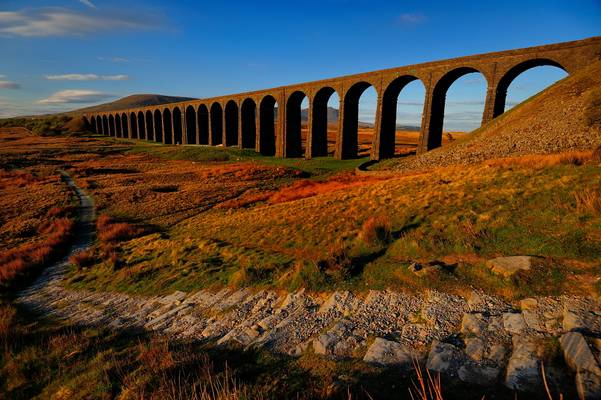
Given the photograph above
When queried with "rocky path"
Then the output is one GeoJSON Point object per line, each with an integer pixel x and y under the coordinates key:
{"type": "Point", "coordinates": [481, 340]}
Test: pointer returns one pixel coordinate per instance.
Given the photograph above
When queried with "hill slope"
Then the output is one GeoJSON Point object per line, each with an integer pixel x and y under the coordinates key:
{"type": "Point", "coordinates": [563, 117]}
{"type": "Point", "coordinates": [133, 101]}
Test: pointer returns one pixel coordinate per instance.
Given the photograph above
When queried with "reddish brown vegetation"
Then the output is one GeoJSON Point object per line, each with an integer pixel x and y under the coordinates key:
{"type": "Point", "coordinates": [83, 259]}
{"type": "Point", "coordinates": [19, 261]}
{"type": "Point", "coordinates": [112, 232]}
{"type": "Point", "coordinates": [308, 188]}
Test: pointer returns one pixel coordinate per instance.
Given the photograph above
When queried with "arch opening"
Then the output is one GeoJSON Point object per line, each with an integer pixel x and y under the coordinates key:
{"type": "Point", "coordinates": [167, 134]}
{"type": "Point", "coordinates": [231, 123]}
{"type": "Point", "coordinates": [294, 139]}
{"type": "Point", "coordinates": [324, 121]}
{"type": "Point", "coordinates": [112, 125]}
{"type": "Point", "coordinates": [93, 124]}
{"type": "Point", "coordinates": [158, 126]}
{"type": "Point", "coordinates": [133, 121]}
{"type": "Point", "coordinates": [401, 110]}
{"type": "Point", "coordinates": [141, 126]}
{"type": "Point", "coordinates": [149, 126]}
{"type": "Point", "coordinates": [525, 80]}
{"type": "Point", "coordinates": [268, 120]}
{"type": "Point", "coordinates": [105, 125]}
{"type": "Point", "coordinates": [190, 125]}
{"type": "Point", "coordinates": [118, 126]}
{"type": "Point", "coordinates": [464, 112]}
{"type": "Point", "coordinates": [177, 126]}
{"type": "Point", "coordinates": [216, 124]}
{"type": "Point", "coordinates": [203, 124]}
{"type": "Point", "coordinates": [124, 126]}
{"type": "Point", "coordinates": [358, 123]}
{"type": "Point", "coordinates": [248, 112]}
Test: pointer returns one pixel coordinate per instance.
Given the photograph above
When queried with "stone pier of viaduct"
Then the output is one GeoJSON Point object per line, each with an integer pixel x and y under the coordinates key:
{"type": "Point", "coordinates": [249, 120]}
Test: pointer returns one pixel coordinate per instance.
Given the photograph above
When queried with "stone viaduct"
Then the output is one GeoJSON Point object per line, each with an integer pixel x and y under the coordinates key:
{"type": "Point", "coordinates": [269, 120]}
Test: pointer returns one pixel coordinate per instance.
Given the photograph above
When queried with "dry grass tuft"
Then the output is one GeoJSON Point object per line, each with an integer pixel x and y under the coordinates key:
{"type": "Point", "coordinates": [426, 387]}
{"type": "Point", "coordinates": [376, 230]}
{"type": "Point", "coordinates": [588, 201]}
{"type": "Point", "coordinates": [112, 232]}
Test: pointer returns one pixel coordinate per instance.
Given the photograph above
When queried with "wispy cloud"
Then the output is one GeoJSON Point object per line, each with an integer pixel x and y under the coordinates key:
{"type": "Point", "coordinates": [411, 18]}
{"type": "Point", "coordinates": [75, 96]}
{"type": "Point", "coordinates": [87, 3]}
{"type": "Point", "coordinates": [114, 59]}
{"type": "Point", "coordinates": [86, 77]}
{"type": "Point", "coordinates": [62, 22]}
{"type": "Point", "coordinates": [9, 85]}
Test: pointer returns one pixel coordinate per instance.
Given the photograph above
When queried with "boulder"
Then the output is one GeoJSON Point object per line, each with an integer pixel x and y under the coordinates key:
{"type": "Point", "coordinates": [472, 323]}
{"type": "Point", "coordinates": [514, 323]}
{"type": "Point", "coordinates": [497, 353]}
{"type": "Point", "coordinates": [324, 344]}
{"type": "Point", "coordinates": [474, 348]}
{"type": "Point", "coordinates": [478, 375]}
{"type": "Point", "coordinates": [444, 358]}
{"type": "Point", "coordinates": [579, 357]}
{"type": "Point", "coordinates": [523, 368]}
{"type": "Point", "coordinates": [385, 352]}
{"type": "Point", "coordinates": [571, 320]}
{"type": "Point", "coordinates": [508, 266]}
{"type": "Point", "coordinates": [528, 304]}
{"type": "Point", "coordinates": [174, 298]}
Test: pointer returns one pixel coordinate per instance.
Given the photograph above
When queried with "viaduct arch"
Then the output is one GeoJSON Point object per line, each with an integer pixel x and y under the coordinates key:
{"type": "Point", "coordinates": [269, 120]}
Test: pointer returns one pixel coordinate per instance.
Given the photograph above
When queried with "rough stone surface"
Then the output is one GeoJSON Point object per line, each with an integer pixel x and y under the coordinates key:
{"type": "Point", "coordinates": [579, 357]}
{"type": "Point", "coordinates": [386, 352]}
{"type": "Point", "coordinates": [444, 358]}
{"type": "Point", "coordinates": [514, 323]}
{"type": "Point", "coordinates": [523, 369]}
{"type": "Point", "coordinates": [479, 375]}
{"type": "Point", "coordinates": [508, 266]}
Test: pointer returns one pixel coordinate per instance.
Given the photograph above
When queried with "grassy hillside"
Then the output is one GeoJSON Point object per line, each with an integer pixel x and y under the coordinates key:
{"type": "Point", "coordinates": [566, 116]}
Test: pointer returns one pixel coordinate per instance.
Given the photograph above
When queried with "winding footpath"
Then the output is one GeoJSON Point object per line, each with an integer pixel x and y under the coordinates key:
{"type": "Point", "coordinates": [480, 339]}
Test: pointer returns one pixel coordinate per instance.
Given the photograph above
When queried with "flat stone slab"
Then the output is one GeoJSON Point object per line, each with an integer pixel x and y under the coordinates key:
{"type": "Point", "coordinates": [508, 266]}
{"type": "Point", "coordinates": [387, 353]}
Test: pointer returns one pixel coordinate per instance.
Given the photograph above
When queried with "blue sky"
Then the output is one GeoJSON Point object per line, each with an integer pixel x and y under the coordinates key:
{"type": "Point", "coordinates": [61, 55]}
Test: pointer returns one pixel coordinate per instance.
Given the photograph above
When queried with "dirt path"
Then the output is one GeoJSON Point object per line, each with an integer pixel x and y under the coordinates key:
{"type": "Point", "coordinates": [85, 234]}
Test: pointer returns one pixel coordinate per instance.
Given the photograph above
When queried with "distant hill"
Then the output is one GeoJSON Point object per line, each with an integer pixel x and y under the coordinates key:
{"type": "Point", "coordinates": [133, 101]}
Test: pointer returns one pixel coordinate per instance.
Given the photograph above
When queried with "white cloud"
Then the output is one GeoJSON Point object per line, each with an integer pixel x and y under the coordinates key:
{"type": "Point", "coordinates": [411, 18]}
{"type": "Point", "coordinates": [62, 22]}
{"type": "Point", "coordinates": [75, 96]}
{"type": "Point", "coordinates": [87, 77]}
{"type": "Point", "coordinates": [9, 85]}
{"type": "Point", "coordinates": [87, 3]}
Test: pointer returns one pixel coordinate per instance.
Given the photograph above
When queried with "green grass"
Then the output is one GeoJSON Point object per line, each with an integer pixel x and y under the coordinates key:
{"type": "Point", "coordinates": [50, 125]}
{"type": "Point", "coordinates": [319, 166]}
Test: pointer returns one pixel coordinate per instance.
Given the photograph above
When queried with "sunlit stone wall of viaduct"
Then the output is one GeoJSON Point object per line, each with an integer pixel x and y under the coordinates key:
{"type": "Point", "coordinates": [246, 120]}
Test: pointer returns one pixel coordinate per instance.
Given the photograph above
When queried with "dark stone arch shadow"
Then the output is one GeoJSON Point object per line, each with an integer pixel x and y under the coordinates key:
{"type": "Point", "coordinates": [203, 124]}
{"type": "Point", "coordinates": [190, 125]}
{"type": "Point", "coordinates": [231, 123]}
{"type": "Point", "coordinates": [386, 145]}
{"type": "Point", "coordinates": [133, 120]}
{"type": "Point", "coordinates": [349, 148]}
{"type": "Point", "coordinates": [158, 126]}
{"type": "Point", "coordinates": [149, 125]}
{"type": "Point", "coordinates": [119, 126]}
{"type": "Point", "coordinates": [216, 124]}
{"type": "Point", "coordinates": [177, 126]}
{"type": "Point", "coordinates": [124, 125]}
{"type": "Point", "coordinates": [141, 126]}
{"type": "Point", "coordinates": [248, 113]}
{"type": "Point", "coordinates": [319, 121]}
{"type": "Point", "coordinates": [294, 141]}
{"type": "Point", "coordinates": [167, 127]}
{"type": "Point", "coordinates": [267, 122]}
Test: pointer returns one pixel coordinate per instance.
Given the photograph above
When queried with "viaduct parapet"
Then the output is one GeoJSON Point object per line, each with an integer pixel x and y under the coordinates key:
{"type": "Point", "coordinates": [269, 120]}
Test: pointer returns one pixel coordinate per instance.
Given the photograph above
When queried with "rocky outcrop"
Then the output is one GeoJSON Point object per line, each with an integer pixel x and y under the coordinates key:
{"type": "Point", "coordinates": [508, 266]}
